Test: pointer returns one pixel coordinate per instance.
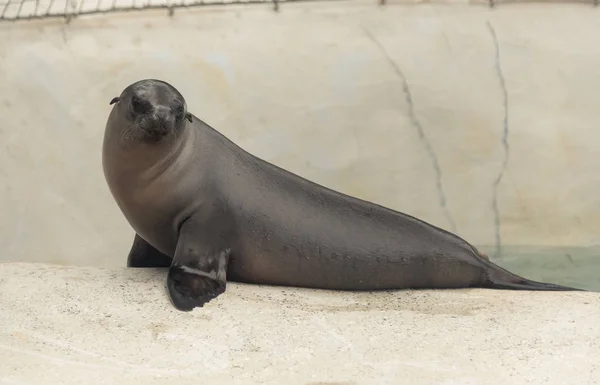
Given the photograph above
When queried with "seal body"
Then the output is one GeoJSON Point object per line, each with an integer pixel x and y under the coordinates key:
{"type": "Point", "coordinates": [212, 212]}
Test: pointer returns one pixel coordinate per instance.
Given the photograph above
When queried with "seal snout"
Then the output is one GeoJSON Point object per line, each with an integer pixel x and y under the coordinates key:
{"type": "Point", "coordinates": [159, 122]}
{"type": "Point", "coordinates": [156, 119]}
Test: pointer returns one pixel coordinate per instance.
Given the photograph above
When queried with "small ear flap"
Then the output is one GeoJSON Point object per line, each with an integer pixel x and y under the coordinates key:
{"type": "Point", "coordinates": [188, 116]}
{"type": "Point", "coordinates": [114, 100]}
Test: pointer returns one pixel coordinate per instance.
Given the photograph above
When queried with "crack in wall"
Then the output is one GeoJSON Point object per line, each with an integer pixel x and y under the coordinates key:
{"type": "Point", "coordinates": [505, 145]}
{"type": "Point", "coordinates": [417, 124]}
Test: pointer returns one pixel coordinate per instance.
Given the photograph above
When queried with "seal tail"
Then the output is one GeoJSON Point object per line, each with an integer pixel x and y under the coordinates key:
{"type": "Point", "coordinates": [499, 278]}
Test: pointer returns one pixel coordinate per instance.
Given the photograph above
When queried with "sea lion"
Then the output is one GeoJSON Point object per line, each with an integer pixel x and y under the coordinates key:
{"type": "Point", "coordinates": [212, 212]}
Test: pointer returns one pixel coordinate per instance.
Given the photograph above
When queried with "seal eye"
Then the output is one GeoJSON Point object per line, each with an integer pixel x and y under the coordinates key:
{"type": "Point", "coordinates": [138, 105]}
{"type": "Point", "coordinates": [179, 110]}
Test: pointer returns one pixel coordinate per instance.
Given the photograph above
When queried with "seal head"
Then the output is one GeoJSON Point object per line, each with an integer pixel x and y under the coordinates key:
{"type": "Point", "coordinates": [153, 109]}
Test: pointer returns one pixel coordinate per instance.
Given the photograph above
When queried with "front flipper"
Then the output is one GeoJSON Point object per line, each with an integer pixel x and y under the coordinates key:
{"type": "Point", "coordinates": [142, 254]}
{"type": "Point", "coordinates": [198, 272]}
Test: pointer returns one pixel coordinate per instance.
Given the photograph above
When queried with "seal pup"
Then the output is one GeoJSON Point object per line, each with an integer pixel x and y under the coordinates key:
{"type": "Point", "coordinates": [212, 212]}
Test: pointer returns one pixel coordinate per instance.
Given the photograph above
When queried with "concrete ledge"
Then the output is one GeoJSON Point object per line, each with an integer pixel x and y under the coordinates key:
{"type": "Point", "coordinates": [73, 325]}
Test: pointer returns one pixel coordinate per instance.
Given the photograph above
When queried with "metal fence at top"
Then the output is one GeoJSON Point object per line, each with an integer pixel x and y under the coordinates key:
{"type": "Point", "coordinates": [68, 9]}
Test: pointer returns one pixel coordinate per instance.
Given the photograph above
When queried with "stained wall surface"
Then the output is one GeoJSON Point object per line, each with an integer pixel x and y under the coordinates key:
{"type": "Point", "coordinates": [482, 121]}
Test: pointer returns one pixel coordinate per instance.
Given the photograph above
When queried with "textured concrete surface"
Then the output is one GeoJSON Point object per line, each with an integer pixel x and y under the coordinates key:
{"type": "Point", "coordinates": [73, 325]}
{"type": "Point", "coordinates": [481, 121]}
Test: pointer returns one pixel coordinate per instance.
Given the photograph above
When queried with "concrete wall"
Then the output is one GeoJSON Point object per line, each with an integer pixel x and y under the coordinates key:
{"type": "Point", "coordinates": [482, 121]}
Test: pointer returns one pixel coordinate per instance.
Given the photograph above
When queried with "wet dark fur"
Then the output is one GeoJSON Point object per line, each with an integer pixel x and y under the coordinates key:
{"type": "Point", "coordinates": [237, 217]}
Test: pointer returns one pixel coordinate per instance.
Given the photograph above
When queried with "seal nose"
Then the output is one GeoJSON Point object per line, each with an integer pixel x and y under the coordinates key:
{"type": "Point", "coordinates": [162, 113]}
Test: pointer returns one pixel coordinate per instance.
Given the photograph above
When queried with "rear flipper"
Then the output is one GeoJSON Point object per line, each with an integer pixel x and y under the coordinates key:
{"type": "Point", "coordinates": [499, 278]}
